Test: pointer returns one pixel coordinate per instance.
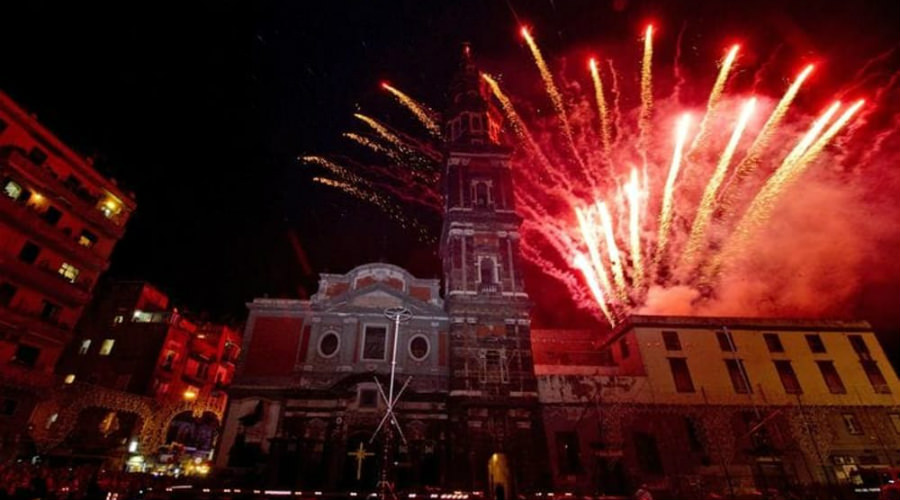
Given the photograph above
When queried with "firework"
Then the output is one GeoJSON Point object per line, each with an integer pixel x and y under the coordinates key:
{"type": "Point", "coordinates": [552, 92]}
{"type": "Point", "coordinates": [665, 215]}
{"type": "Point", "coordinates": [605, 132]}
{"type": "Point", "coordinates": [678, 207]}
{"type": "Point", "coordinates": [646, 92]}
{"type": "Point", "coordinates": [705, 210]}
{"type": "Point", "coordinates": [426, 116]}
{"type": "Point", "coordinates": [715, 96]}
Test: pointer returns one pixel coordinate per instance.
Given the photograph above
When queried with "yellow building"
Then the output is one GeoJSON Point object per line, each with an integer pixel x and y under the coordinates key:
{"type": "Point", "coordinates": [698, 405]}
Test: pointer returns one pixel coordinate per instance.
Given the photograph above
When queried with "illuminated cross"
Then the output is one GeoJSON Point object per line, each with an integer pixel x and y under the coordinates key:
{"type": "Point", "coordinates": [360, 454]}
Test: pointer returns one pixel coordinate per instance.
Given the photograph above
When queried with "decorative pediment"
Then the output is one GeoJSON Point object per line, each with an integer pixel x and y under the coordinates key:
{"type": "Point", "coordinates": [377, 297]}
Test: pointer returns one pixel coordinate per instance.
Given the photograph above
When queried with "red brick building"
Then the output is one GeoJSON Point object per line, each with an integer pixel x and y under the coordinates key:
{"type": "Point", "coordinates": [131, 339]}
{"type": "Point", "coordinates": [59, 223]}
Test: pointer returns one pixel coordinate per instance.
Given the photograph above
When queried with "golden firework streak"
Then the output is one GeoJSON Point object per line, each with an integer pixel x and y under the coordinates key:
{"type": "Point", "coordinates": [646, 93]}
{"type": "Point", "coordinates": [552, 92]}
{"type": "Point", "coordinates": [419, 110]}
{"type": "Point", "coordinates": [632, 191]}
{"type": "Point", "coordinates": [707, 203]}
{"type": "Point", "coordinates": [665, 215]}
{"type": "Point", "coordinates": [581, 263]}
{"type": "Point", "coordinates": [715, 96]}
{"type": "Point", "coordinates": [605, 131]}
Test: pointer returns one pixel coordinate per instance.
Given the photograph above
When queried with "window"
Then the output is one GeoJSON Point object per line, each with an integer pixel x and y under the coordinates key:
{"type": "Point", "coordinates": [647, 453]}
{"type": "Point", "coordinates": [8, 407]}
{"type": "Point", "coordinates": [118, 319]}
{"type": "Point", "coordinates": [568, 456]}
{"type": "Point", "coordinates": [69, 272]}
{"type": "Point", "coordinates": [7, 292]}
{"type": "Point", "coordinates": [107, 347]}
{"type": "Point", "coordinates": [693, 435]}
{"type": "Point", "coordinates": [859, 345]}
{"type": "Point", "coordinates": [26, 355]}
{"type": "Point", "coordinates": [879, 383]}
{"type": "Point", "coordinates": [29, 252]}
{"type": "Point", "coordinates": [671, 340]}
{"type": "Point", "coordinates": [12, 189]}
{"type": "Point", "coordinates": [681, 375]}
{"type": "Point", "coordinates": [726, 341]}
{"type": "Point", "coordinates": [739, 379]}
{"type": "Point", "coordinates": [374, 343]}
{"type": "Point", "coordinates": [51, 215]}
{"type": "Point", "coordinates": [368, 398]}
{"type": "Point", "coordinates": [831, 377]}
{"type": "Point", "coordinates": [815, 343]}
{"type": "Point", "coordinates": [51, 420]}
{"type": "Point", "coordinates": [87, 239]}
{"type": "Point", "coordinates": [50, 311]}
{"type": "Point", "coordinates": [3, 125]}
{"type": "Point", "coordinates": [162, 387]}
{"type": "Point", "coordinates": [789, 379]}
{"type": "Point", "coordinates": [419, 347]}
{"type": "Point", "coordinates": [486, 271]}
{"type": "Point", "coordinates": [773, 342]}
{"type": "Point", "coordinates": [169, 360]}
{"type": "Point", "coordinates": [895, 421]}
{"type": "Point", "coordinates": [623, 348]}
{"type": "Point", "coordinates": [85, 347]}
{"type": "Point", "coordinates": [69, 378]}
{"type": "Point", "coordinates": [37, 156]}
{"type": "Point", "coordinates": [851, 424]}
{"type": "Point", "coordinates": [476, 123]}
{"type": "Point", "coordinates": [328, 344]}
{"type": "Point", "coordinates": [493, 366]}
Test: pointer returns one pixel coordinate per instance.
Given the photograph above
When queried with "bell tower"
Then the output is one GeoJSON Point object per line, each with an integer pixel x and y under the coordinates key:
{"type": "Point", "coordinates": [493, 403]}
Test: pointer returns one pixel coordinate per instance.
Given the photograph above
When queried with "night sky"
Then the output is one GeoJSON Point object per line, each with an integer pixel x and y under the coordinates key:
{"type": "Point", "coordinates": [201, 109]}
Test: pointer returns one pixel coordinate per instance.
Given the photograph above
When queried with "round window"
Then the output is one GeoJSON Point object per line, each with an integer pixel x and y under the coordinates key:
{"type": "Point", "coordinates": [418, 347]}
{"type": "Point", "coordinates": [328, 344]}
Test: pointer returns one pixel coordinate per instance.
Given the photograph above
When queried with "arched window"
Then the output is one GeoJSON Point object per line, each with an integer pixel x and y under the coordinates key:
{"type": "Point", "coordinates": [487, 271]}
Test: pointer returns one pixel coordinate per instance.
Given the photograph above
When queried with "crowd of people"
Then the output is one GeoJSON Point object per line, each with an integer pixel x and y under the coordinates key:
{"type": "Point", "coordinates": [27, 481]}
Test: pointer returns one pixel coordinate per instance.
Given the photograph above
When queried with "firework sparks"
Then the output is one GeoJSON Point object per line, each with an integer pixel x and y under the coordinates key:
{"type": "Point", "coordinates": [426, 116]}
{"type": "Point", "coordinates": [633, 192]}
{"type": "Point", "coordinates": [552, 92]}
{"type": "Point", "coordinates": [751, 160]}
{"type": "Point", "coordinates": [646, 92]}
{"type": "Point", "coordinates": [715, 96]}
{"type": "Point", "coordinates": [705, 210]}
{"type": "Point", "coordinates": [665, 215]}
{"type": "Point", "coordinates": [605, 132]}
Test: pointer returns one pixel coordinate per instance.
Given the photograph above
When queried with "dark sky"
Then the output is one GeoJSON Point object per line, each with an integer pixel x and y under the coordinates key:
{"type": "Point", "coordinates": [201, 108]}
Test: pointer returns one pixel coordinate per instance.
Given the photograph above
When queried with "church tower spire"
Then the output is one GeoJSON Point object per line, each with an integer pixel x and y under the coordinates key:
{"type": "Point", "coordinates": [471, 118]}
{"type": "Point", "coordinates": [493, 401]}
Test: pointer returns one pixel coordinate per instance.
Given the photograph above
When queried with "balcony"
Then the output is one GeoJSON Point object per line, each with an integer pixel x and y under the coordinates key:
{"type": "Point", "coordinates": [83, 203]}
{"type": "Point", "coordinates": [25, 323]}
{"type": "Point", "coordinates": [47, 280]}
{"type": "Point", "coordinates": [31, 223]}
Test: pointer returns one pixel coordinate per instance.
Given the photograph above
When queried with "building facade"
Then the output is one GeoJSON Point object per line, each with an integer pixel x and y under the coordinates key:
{"type": "Point", "coordinates": [699, 405]}
{"type": "Point", "coordinates": [140, 368]}
{"type": "Point", "coordinates": [59, 223]}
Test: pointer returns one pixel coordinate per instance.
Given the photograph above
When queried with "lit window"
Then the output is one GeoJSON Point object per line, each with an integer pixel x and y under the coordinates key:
{"type": "Point", "coordinates": [12, 189]}
{"type": "Point", "coordinates": [69, 272]}
{"type": "Point", "coordinates": [69, 378]}
{"type": "Point", "coordinates": [110, 208]}
{"type": "Point", "coordinates": [87, 239]}
{"type": "Point", "coordinates": [107, 347]}
{"type": "Point", "coordinates": [85, 347]}
{"type": "Point", "coordinates": [51, 420]}
{"type": "Point", "coordinates": [118, 319]}
{"type": "Point", "coordinates": [851, 423]}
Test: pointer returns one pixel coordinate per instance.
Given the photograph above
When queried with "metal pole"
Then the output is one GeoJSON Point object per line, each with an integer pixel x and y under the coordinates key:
{"type": "Point", "coordinates": [397, 314]}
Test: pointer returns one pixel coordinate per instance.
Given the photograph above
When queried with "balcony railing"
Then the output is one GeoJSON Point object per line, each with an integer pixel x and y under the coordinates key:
{"type": "Point", "coordinates": [31, 223]}
{"type": "Point", "coordinates": [85, 204]}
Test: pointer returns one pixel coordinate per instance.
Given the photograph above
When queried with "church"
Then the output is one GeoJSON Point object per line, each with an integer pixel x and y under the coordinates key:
{"type": "Point", "coordinates": [448, 384]}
